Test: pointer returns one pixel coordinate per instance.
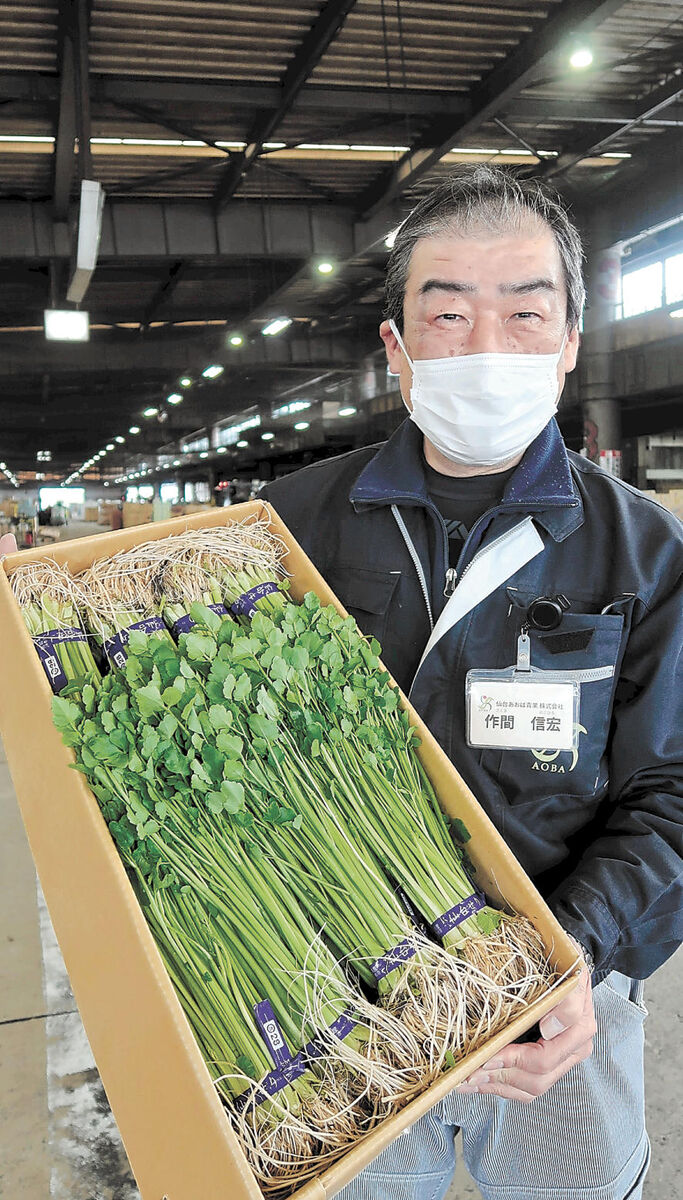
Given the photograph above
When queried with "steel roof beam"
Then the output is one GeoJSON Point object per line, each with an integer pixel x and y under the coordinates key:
{"type": "Point", "coordinates": [315, 43]}
{"type": "Point", "coordinates": [492, 94]}
{"type": "Point", "coordinates": [65, 136]}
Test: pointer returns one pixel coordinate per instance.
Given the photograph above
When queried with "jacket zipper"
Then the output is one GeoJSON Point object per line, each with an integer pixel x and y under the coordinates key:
{"type": "Point", "coordinates": [489, 546]}
{"type": "Point", "coordinates": [416, 561]}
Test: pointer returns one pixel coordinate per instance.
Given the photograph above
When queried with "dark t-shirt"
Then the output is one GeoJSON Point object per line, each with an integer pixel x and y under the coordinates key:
{"type": "Point", "coordinates": [462, 501]}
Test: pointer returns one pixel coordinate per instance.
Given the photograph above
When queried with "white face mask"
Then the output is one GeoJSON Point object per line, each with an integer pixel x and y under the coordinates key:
{"type": "Point", "coordinates": [483, 409]}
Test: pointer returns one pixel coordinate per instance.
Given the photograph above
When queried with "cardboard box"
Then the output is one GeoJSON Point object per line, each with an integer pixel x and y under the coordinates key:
{"type": "Point", "coordinates": [136, 513]}
{"type": "Point", "coordinates": [177, 1136]}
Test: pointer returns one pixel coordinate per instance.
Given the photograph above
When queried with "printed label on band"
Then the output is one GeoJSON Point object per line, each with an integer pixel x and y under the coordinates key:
{"type": "Point", "coordinates": [272, 1083]}
{"type": "Point", "coordinates": [293, 1068]}
{"type": "Point", "coordinates": [459, 913]}
{"type": "Point", "coordinates": [185, 623]}
{"type": "Point", "coordinates": [114, 647]}
{"type": "Point", "coordinates": [45, 644]}
{"type": "Point", "coordinates": [271, 1033]}
{"type": "Point", "coordinates": [340, 1029]}
{"type": "Point", "coordinates": [245, 605]}
{"type": "Point", "coordinates": [393, 959]}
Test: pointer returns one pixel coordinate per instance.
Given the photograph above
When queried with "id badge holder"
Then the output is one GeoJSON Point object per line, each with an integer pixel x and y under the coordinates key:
{"type": "Point", "coordinates": [522, 707]}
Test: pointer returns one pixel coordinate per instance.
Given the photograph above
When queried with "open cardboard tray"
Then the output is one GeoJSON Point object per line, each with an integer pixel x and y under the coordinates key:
{"type": "Point", "coordinates": [175, 1130]}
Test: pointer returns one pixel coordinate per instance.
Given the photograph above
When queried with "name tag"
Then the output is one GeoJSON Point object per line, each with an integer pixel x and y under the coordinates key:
{"type": "Point", "coordinates": [521, 708]}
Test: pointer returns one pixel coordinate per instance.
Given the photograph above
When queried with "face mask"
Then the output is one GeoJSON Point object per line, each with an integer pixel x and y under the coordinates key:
{"type": "Point", "coordinates": [483, 409]}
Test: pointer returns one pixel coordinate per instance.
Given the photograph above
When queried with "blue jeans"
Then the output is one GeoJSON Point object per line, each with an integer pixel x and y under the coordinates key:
{"type": "Point", "coordinates": [584, 1140]}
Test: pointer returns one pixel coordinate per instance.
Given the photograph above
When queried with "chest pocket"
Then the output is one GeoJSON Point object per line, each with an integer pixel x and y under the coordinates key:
{"type": "Point", "coordinates": [366, 594]}
{"type": "Point", "coordinates": [586, 647]}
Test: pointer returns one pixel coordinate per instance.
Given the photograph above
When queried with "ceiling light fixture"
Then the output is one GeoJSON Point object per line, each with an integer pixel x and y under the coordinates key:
{"type": "Point", "coordinates": [301, 425]}
{"type": "Point", "coordinates": [204, 454]}
{"type": "Point", "coordinates": [236, 339]}
{"type": "Point", "coordinates": [174, 398]}
{"type": "Point", "coordinates": [276, 326]}
{"type": "Point", "coordinates": [213, 371]}
{"type": "Point", "coordinates": [242, 444]}
{"type": "Point", "coordinates": [581, 58]}
{"type": "Point", "coordinates": [66, 325]}
{"type": "Point", "coordinates": [186, 382]}
{"type": "Point", "coordinates": [134, 429]}
{"type": "Point", "coordinates": [267, 437]}
{"type": "Point", "coordinates": [120, 440]}
{"type": "Point", "coordinates": [325, 268]}
{"type": "Point", "coordinates": [150, 412]}
{"type": "Point", "coordinates": [110, 445]}
{"type": "Point", "coordinates": [348, 412]}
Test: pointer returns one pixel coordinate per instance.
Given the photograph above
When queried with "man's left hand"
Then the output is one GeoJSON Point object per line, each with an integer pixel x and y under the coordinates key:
{"type": "Point", "coordinates": [524, 1070]}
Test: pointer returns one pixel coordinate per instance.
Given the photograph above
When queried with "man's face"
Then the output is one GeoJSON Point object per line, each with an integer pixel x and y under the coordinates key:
{"type": "Point", "coordinates": [487, 294]}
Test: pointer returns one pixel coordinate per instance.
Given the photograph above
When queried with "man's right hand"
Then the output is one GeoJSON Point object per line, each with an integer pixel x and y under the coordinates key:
{"type": "Point", "coordinates": [8, 544]}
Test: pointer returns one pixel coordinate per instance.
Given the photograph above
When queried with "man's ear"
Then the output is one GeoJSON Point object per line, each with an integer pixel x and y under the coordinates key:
{"type": "Point", "coordinates": [571, 349]}
{"type": "Point", "coordinates": [393, 350]}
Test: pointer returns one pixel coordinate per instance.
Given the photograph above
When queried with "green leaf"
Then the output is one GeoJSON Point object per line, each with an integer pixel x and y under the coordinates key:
{"type": "Point", "coordinates": [219, 717]}
{"type": "Point", "coordinates": [198, 646]}
{"type": "Point", "coordinates": [233, 769]}
{"type": "Point", "coordinates": [262, 727]}
{"type": "Point", "coordinates": [299, 658]}
{"type": "Point", "coordinates": [460, 830]}
{"type": "Point", "coordinates": [233, 795]}
{"type": "Point", "coordinates": [205, 616]}
{"type": "Point", "coordinates": [171, 695]}
{"type": "Point", "coordinates": [242, 688]}
{"type": "Point", "coordinates": [149, 700]}
{"type": "Point", "coordinates": [230, 743]}
{"type": "Point", "coordinates": [65, 714]}
{"type": "Point", "coordinates": [120, 703]}
{"type": "Point", "coordinates": [88, 697]}
{"type": "Point", "coordinates": [161, 810]}
{"type": "Point", "coordinates": [298, 821]}
{"type": "Point", "coordinates": [449, 1058]}
{"type": "Point", "coordinates": [215, 803]}
{"type": "Point", "coordinates": [311, 602]}
{"type": "Point", "coordinates": [168, 726]}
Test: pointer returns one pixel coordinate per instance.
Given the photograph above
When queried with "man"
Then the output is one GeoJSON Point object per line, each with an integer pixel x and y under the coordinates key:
{"type": "Point", "coordinates": [536, 558]}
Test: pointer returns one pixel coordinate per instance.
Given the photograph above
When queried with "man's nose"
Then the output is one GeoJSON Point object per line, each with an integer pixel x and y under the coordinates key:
{"type": "Point", "coordinates": [486, 336]}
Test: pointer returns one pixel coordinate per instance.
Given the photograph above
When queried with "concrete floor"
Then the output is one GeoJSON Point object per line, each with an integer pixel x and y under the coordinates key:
{"type": "Point", "coordinates": [58, 1139]}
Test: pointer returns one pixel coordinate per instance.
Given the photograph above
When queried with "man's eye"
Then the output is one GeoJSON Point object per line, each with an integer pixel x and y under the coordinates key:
{"type": "Point", "coordinates": [449, 316]}
{"type": "Point", "coordinates": [526, 315]}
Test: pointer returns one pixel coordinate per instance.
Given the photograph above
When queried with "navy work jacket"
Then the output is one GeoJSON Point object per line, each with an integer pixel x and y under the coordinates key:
{"type": "Point", "coordinates": [599, 829]}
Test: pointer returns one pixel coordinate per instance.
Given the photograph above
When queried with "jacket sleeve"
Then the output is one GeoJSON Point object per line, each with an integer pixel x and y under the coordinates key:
{"type": "Point", "coordinates": [624, 900]}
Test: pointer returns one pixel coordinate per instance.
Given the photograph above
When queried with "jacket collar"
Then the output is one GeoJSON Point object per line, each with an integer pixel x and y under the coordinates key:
{"type": "Point", "coordinates": [542, 483]}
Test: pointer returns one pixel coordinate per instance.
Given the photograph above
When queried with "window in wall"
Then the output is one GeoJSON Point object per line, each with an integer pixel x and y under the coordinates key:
{"type": "Point", "coordinates": [61, 495]}
{"type": "Point", "coordinates": [169, 493]}
{"type": "Point", "coordinates": [673, 278]}
{"type": "Point", "coordinates": [642, 290]}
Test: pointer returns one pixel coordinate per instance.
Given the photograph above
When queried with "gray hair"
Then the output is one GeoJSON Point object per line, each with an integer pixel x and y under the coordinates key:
{"type": "Point", "coordinates": [476, 199]}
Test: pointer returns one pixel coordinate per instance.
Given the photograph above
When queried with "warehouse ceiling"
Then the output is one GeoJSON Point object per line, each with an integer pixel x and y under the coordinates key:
{"type": "Point", "coordinates": [241, 146]}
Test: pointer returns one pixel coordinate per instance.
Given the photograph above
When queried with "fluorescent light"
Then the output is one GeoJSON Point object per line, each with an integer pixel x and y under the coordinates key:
{"type": "Point", "coordinates": [676, 313]}
{"type": "Point", "coordinates": [213, 372]}
{"type": "Point", "coordinates": [236, 339]}
{"type": "Point", "coordinates": [267, 437]}
{"type": "Point", "coordinates": [176, 462]}
{"type": "Point", "coordinates": [186, 382]}
{"type": "Point", "coordinates": [348, 412]}
{"type": "Point", "coordinates": [325, 268]}
{"type": "Point", "coordinates": [120, 440]}
{"type": "Point", "coordinates": [204, 454]}
{"type": "Point", "coordinates": [581, 58]}
{"type": "Point", "coordinates": [300, 425]}
{"type": "Point", "coordinates": [221, 450]}
{"type": "Point", "coordinates": [276, 326]}
{"type": "Point", "coordinates": [174, 398]}
{"type": "Point", "coordinates": [391, 238]}
{"type": "Point", "coordinates": [286, 410]}
{"type": "Point", "coordinates": [150, 412]}
{"type": "Point", "coordinates": [110, 446]}
{"type": "Point", "coordinates": [272, 145]}
{"type": "Point", "coordinates": [242, 444]}
{"type": "Point", "coordinates": [66, 325]}
{"type": "Point", "coordinates": [615, 155]}
{"type": "Point", "coordinates": [134, 429]}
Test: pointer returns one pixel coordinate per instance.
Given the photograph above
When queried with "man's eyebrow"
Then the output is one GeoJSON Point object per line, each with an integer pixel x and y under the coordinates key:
{"type": "Point", "coordinates": [446, 285]}
{"type": "Point", "coordinates": [542, 284]}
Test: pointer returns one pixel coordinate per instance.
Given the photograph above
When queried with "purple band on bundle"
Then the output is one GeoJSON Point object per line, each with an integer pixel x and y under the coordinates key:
{"type": "Point", "coordinates": [393, 959]}
{"type": "Point", "coordinates": [340, 1029]}
{"type": "Point", "coordinates": [114, 646]}
{"type": "Point", "coordinates": [45, 644]}
{"type": "Point", "coordinates": [272, 1083]}
{"type": "Point", "coordinates": [459, 913]}
{"type": "Point", "coordinates": [185, 623]}
{"type": "Point", "coordinates": [271, 1033]}
{"type": "Point", "coordinates": [245, 605]}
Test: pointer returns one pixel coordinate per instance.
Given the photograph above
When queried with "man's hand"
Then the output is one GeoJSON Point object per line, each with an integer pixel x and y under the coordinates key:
{"type": "Point", "coordinates": [8, 544]}
{"type": "Point", "coordinates": [525, 1070]}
